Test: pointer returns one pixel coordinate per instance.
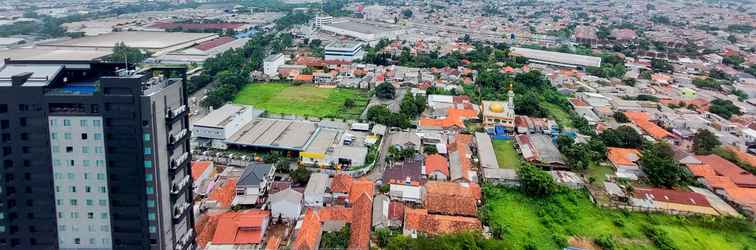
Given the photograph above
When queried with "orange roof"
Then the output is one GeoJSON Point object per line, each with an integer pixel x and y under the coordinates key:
{"type": "Point", "coordinates": [274, 241]}
{"type": "Point", "coordinates": [335, 213]}
{"type": "Point", "coordinates": [436, 162]}
{"type": "Point", "coordinates": [719, 174]}
{"type": "Point", "coordinates": [743, 156]}
{"type": "Point", "coordinates": [420, 220]}
{"type": "Point", "coordinates": [454, 117]}
{"type": "Point", "coordinates": [224, 194]}
{"type": "Point", "coordinates": [241, 227]}
{"type": "Point", "coordinates": [623, 156]}
{"type": "Point", "coordinates": [361, 222]}
{"type": "Point", "coordinates": [205, 227]}
{"type": "Point", "coordinates": [308, 237]}
{"type": "Point", "coordinates": [460, 146]}
{"type": "Point", "coordinates": [359, 186]}
{"type": "Point", "coordinates": [452, 198]}
{"type": "Point", "coordinates": [303, 78]}
{"type": "Point", "coordinates": [341, 183]}
{"type": "Point", "coordinates": [642, 120]}
{"type": "Point", "coordinates": [725, 168]}
{"type": "Point", "coordinates": [199, 167]}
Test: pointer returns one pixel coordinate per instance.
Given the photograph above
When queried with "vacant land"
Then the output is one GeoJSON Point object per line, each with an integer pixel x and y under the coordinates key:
{"type": "Point", "coordinates": [304, 100]}
{"type": "Point", "coordinates": [558, 114]}
{"type": "Point", "coordinates": [547, 223]}
{"type": "Point", "coordinates": [506, 155]}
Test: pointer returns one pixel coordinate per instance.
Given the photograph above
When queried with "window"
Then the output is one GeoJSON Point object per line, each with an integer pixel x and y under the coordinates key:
{"type": "Point", "coordinates": [77, 241]}
{"type": "Point", "coordinates": [104, 228]}
{"type": "Point", "coordinates": [88, 189]}
{"type": "Point", "coordinates": [147, 164]}
{"type": "Point", "coordinates": [69, 149]}
{"type": "Point", "coordinates": [147, 137]}
{"type": "Point", "coordinates": [86, 163]}
{"type": "Point", "coordinates": [54, 136]}
{"type": "Point", "coordinates": [100, 176]}
{"type": "Point", "coordinates": [25, 150]}
{"type": "Point", "coordinates": [22, 121]}
{"type": "Point", "coordinates": [24, 136]}
{"type": "Point", "coordinates": [103, 189]}
{"type": "Point", "coordinates": [73, 202]}
{"type": "Point", "coordinates": [148, 177]}
{"type": "Point", "coordinates": [102, 202]}
{"type": "Point", "coordinates": [90, 202]}
{"type": "Point", "coordinates": [56, 163]}
{"type": "Point", "coordinates": [56, 149]}
{"type": "Point", "coordinates": [57, 188]}
{"type": "Point", "coordinates": [99, 150]}
{"type": "Point", "coordinates": [147, 151]}
{"type": "Point", "coordinates": [23, 107]}
{"type": "Point", "coordinates": [8, 163]}
{"type": "Point", "coordinates": [53, 123]}
{"type": "Point", "coordinates": [73, 189]}
{"type": "Point", "coordinates": [3, 108]}
{"type": "Point", "coordinates": [83, 123]}
{"type": "Point", "coordinates": [86, 176]}
{"type": "Point", "coordinates": [91, 241]}
{"type": "Point", "coordinates": [6, 137]}
{"type": "Point", "coordinates": [71, 176]}
{"type": "Point", "coordinates": [153, 229]}
{"type": "Point", "coordinates": [90, 215]}
{"type": "Point", "coordinates": [98, 137]}
{"type": "Point", "coordinates": [99, 163]}
{"type": "Point", "coordinates": [71, 163]}
{"type": "Point", "coordinates": [96, 123]}
{"type": "Point", "coordinates": [103, 216]}
{"type": "Point", "coordinates": [66, 123]}
{"type": "Point", "coordinates": [150, 190]}
{"type": "Point", "coordinates": [83, 136]}
{"type": "Point", "coordinates": [4, 124]}
{"type": "Point", "coordinates": [150, 203]}
{"type": "Point", "coordinates": [151, 216]}
{"type": "Point", "coordinates": [67, 136]}
{"type": "Point", "coordinates": [85, 150]}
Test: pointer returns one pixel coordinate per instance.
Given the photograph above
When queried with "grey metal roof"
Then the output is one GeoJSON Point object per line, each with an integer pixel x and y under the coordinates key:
{"type": "Point", "coordinates": [288, 194]}
{"type": "Point", "coordinates": [254, 174]}
{"type": "Point", "coordinates": [317, 184]}
{"type": "Point", "coordinates": [500, 173]}
{"type": "Point", "coordinates": [486, 152]}
{"type": "Point", "coordinates": [272, 57]}
{"type": "Point", "coordinates": [557, 57]}
{"type": "Point", "coordinates": [223, 115]}
{"type": "Point", "coordinates": [42, 74]}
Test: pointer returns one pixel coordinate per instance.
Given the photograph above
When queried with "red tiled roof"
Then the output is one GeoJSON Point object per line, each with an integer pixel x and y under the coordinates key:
{"type": "Point", "coordinates": [308, 237]}
{"type": "Point", "coordinates": [341, 183]}
{"type": "Point", "coordinates": [396, 210]}
{"type": "Point", "coordinates": [207, 45]}
{"type": "Point", "coordinates": [336, 213]}
{"type": "Point", "coordinates": [642, 120]}
{"type": "Point", "coordinates": [436, 162]}
{"type": "Point", "coordinates": [744, 196]}
{"type": "Point", "coordinates": [199, 167]}
{"type": "Point", "coordinates": [623, 156]}
{"type": "Point", "coordinates": [205, 227]}
{"type": "Point", "coordinates": [361, 222]}
{"type": "Point", "coordinates": [224, 194]}
{"type": "Point", "coordinates": [303, 78]}
{"type": "Point", "coordinates": [452, 198]}
{"type": "Point", "coordinates": [454, 117]}
{"type": "Point", "coordinates": [360, 186]}
{"type": "Point", "coordinates": [241, 227]}
{"type": "Point", "coordinates": [420, 220]}
{"type": "Point", "coordinates": [672, 196]}
{"type": "Point", "coordinates": [578, 102]}
{"type": "Point", "coordinates": [728, 169]}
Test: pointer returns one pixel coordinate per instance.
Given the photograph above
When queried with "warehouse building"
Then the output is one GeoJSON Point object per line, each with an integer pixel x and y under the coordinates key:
{"type": "Point", "coordinates": [365, 31]}
{"type": "Point", "coordinates": [159, 43]}
{"type": "Point", "coordinates": [557, 58]}
{"type": "Point", "coordinates": [347, 51]}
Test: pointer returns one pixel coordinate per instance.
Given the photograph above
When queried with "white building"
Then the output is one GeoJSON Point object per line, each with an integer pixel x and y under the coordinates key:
{"type": "Point", "coordinates": [365, 31]}
{"type": "Point", "coordinates": [322, 20]}
{"type": "Point", "coordinates": [272, 63]}
{"type": "Point", "coordinates": [287, 204]}
{"type": "Point", "coordinates": [222, 123]}
{"type": "Point", "coordinates": [314, 193]}
{"type": "Point", "coordinates": [348, 51]}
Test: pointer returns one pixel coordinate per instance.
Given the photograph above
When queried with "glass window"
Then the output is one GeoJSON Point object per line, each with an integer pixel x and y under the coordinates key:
{"type": "Point", "coordinates": [85, 150]}
{"type": "Point", "coordinates": [153, 229]}
{"type": "Point", "coordinates": [147, 164]}
{"type": "Point", "coordinates": [103, 216]}
{"type": "Point", "coordinates": [54, 136]}
{"type": "Point", "coordinates": [86, 163]}
{"type": "Point", "coordinates": [150, 203]}
{"type": "Point", "coordinates": [83, 123]}
{"type": "Point", "coordinates": [90, 202]}
{"type": "Point", "coordinates": [148, 151]}
{"type": "Point", "coordinates": [53, 123]}
{"type": "Point", "coordinates": [100, 176]}
{"type": "Point", "coordinates": [148, 177]}
{"type": "Point", "coordinates": [86, 176]}
{"type": "Point", "coordinates": [88, 189]}
{"type": "Point", "coordinates": [67, 136]}
{"type": "Point", "coordinates": [99, 163]}
{"type": "Point", "coordinates": [98, 136]}
{"type": "Point", "coordinates": [96, 123]}
{"type": "Point", "coordinates": [151, 216]}
{"type": "Point", "coordinates": [66, 122]}
{"type": "Point", "coordinates": [73, 202]}
{"type": "Point", "coordinates": [71, 176]}
{"type": "Point", "coordinates": [103, 189]}
{"type": "Point", "coordinates": [150, 190]}
{"type": "Point", "coordinates": [147, 137]}
{"type": "Point", "coordinates": [99, 150]}
{"type": "Point", "coordinates": [103, 202]}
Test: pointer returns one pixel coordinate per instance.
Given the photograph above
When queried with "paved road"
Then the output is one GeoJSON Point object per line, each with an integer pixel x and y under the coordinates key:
{"type": "Point", "coordinates": [380, 164]}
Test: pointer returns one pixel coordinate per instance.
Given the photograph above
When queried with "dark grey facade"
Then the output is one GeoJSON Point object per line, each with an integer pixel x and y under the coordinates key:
{"type": "Point", "coordinates": [145, 133]}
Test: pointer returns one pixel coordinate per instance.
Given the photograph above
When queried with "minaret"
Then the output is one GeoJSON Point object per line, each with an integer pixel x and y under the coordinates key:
{"type": "Point", "coordinates": [511, 97]}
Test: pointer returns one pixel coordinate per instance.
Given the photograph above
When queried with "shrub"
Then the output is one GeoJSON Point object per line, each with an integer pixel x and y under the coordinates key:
{"type": "Point", "coordinates": [605, 241]}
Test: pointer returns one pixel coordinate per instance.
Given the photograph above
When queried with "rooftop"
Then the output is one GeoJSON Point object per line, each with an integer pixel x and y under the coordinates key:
{"type": "Point", "coordinates": [342, 45]}
{"type": "Point", "coordinates": [557, 57]}
{"type": "Point", "coordinates": [246, 227]}
{"type": "Point", "coordinates": [222, 116]}
{"type": "Point", "coordinates": [135, 39]}
{"type": "Point", "coordinates": [41, 74]}
{"type": "Point", "coordinates": [486, 151]}
{"type": "Point", "coordinates": [254, 174]}
{"type": "Point", "coordinates": [365, 28]}
{"type": "Point", "coordinates": [276, 133]}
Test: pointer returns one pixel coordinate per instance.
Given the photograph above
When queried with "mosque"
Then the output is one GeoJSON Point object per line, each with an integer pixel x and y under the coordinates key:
{"type": "Point", "coordinates": [499, 116]}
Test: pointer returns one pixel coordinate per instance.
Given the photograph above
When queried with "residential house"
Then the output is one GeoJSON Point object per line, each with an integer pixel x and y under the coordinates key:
{"type": "Point", "coordinates": [567, 178]}
{"type": "Point", "coordinates": [404, 140]}
{"type": "Point", "coordinates": [460, 159]}
{"type": "Point", "coordinates": [449, 198]}
{"type": "Point", "coordinates": [436, 167]}
{"type": "Point", "coordinates": [315, 191]}
{"type": "Point", "coordinates": [307, 232]}
{"type": "Point", "coordinates": [486, 153]}
{"type": "Point", "coordinates": [405, 179]}
{"type": "Point", "coordinates": [362, 210]}
{"type": "Point", "coordinates": [286, 204]}
{"type": "Point", "coordinates": [727, 180]}
{"type": "Point", "coordinates": [254, 183]}
{"type": "Point", "coordinates": [625, 161]}
{"type": "Point", "coordinates": [340, 186]}
{"type": "Point", "coordinates": [240, 230]}
{"type": "Point", "coordinates": [420, 221]}
{"type": "Point", "coordinates": [672, 201]}
{"type": "Point", "coordinates": [539, 149]}
{"type": "Point", "coordinates": [387, 213]}
{"type": "Point", "coordinates": [643, 121]}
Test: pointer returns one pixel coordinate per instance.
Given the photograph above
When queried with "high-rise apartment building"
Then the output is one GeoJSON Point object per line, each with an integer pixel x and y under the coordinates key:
{"type": "Point", "coordinates": [93, 157]}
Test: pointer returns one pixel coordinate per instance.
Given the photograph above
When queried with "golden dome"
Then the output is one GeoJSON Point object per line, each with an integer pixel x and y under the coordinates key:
{"type": "Point", "coordinates": [496, 108]}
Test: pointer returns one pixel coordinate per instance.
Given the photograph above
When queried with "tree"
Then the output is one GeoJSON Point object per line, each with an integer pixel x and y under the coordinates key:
{"type": "Point", "coordinates": [620, 117]}
{"type": "Point", "coordinates": [661, 65]}
{"type": "Point", "coordinates": [123, 53]}
{"type": "Point", "coordinates": [300, 176]}
{"type": "Point", "coordinates": [348, 103]}
{"type": "Point", "coordinates": [335, 240]}
{"type": "Point", "coordinates": [724, 108]}
{"type": "Point", "coordinates": [704, 142]}
{"type": "Point", "coordinates": [659, 165]}
{"type": "Point", "coordinates": [623, 137]}
{"type": "Point", "coordinates": [385, 91]}
{"type": "Point", "coordinates": [535, 181]}
{"type": "Point", "coordinates": [430, 149]}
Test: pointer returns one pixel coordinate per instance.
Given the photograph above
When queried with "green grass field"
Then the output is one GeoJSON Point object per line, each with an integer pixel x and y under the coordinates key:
{"type": "Point", "coordinates": [543, 222]}
{"type": "Point", "coordinates": [561, 117]}
{"type": "Point", "coordinates": [304, 100]}
{"type": "Point", "coordinates": [506, 155]}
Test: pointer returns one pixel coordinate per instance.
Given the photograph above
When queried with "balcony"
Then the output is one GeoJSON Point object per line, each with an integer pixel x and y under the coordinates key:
{"type": "Point", "coordinates": [174, 139]}
{"type": "Point", "coordinates": [172, 114]}
{"type": "Point", "coordinates": [177, 187]}
{"type": "Point", "coordinates": [175, 163]}
{"type": "Point", "coordinates": [179, 210]}
{"type": "Point", "coordinates": [185, 239]}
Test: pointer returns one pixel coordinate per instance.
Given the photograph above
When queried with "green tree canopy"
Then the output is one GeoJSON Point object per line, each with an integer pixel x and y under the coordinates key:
{"type": "Point", "coordinates": [704, 142]}
{"type": "Point", "coordinates": [660, 167]}
{"type": "Point", "coordinates": [385, 90]}
{"type": "Point", "coordinates": [535, 181]}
